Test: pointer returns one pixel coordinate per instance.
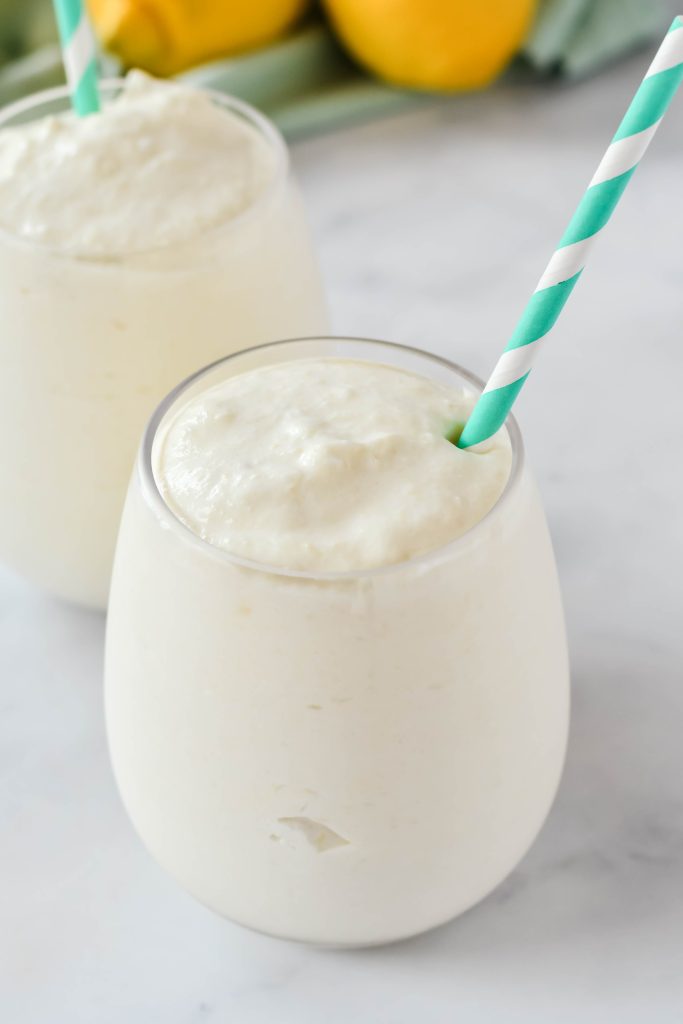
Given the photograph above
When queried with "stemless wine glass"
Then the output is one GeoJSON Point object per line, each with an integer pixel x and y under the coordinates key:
{"type": "Point", "coordinates": [343, 758]}
{"type": "Point", "coordinates": [89, 346]}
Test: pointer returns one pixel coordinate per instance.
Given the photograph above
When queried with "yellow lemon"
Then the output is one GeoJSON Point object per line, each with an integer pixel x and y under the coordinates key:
{"type": "Point", "coordinates": [433, 44]}
{"type": "Point", "coordinates": [166, 36]}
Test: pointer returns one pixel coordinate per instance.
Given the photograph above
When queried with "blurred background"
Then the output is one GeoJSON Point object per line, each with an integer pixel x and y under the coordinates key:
{"type": "Point", "coordinates": [315, 65]}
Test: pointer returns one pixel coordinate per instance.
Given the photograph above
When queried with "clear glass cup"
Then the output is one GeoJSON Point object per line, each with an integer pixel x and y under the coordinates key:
{"type": "Point", "coordinates": [340, 758]}
{"type": "Point", "coordinates": [88, 347]}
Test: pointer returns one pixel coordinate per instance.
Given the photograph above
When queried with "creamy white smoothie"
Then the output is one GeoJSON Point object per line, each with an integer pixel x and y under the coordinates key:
{"type": "Point", "coordinates": [136, 245]}
{"type": "Point", "coordinates": [336, 673]}
{"type": "Point", "coordinates": [327, 465]}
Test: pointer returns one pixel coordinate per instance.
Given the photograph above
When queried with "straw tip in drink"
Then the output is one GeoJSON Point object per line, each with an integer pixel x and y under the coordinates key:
{"type": "Point", "coordinates": [453, 433]}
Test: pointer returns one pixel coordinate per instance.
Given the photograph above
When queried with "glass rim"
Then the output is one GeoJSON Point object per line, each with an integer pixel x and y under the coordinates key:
{"type": "Point", "coordinates": [262, 124]}
{"type": "Point", "coordinates": [428, 559]}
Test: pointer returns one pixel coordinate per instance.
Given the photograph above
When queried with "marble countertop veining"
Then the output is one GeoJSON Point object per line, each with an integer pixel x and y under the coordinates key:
{"type": "Point", "coordinates": [433, 227]}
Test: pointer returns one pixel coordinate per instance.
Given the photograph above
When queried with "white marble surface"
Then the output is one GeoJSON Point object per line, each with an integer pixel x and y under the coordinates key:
{"type": "Point", "coordinates": [433, 228]}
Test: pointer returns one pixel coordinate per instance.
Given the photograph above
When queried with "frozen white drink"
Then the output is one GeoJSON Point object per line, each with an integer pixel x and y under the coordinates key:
{"type": "Point", "coordinates": [336, 678]}
{"type": "Point", "coordinates": [136, 245]}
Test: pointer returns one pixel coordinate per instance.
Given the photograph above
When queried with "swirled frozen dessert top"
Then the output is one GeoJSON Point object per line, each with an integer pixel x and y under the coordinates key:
{"type": "Point", "coordinates": [158, 166]}
{"type": "Point", "coordinates": [326, 465]}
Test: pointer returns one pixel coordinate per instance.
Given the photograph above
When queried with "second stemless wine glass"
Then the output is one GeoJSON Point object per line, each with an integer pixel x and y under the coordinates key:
{"type": "Point", "coordinates": [342, 758]}
{"type": "Point", "coordinates": [89, 346]}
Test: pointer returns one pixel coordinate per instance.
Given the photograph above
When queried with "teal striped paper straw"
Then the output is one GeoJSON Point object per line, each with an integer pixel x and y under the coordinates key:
{"type": "Point", "coordinates": [616, 168]}
{"type": "Point", "coordinates": [79, 54]}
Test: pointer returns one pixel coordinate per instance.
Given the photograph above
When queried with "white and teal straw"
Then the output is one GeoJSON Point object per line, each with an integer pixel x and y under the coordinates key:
{"type": "Point", "coordinates": [633, 136]}
{"type": "Point", "coordinates": [79, 53]}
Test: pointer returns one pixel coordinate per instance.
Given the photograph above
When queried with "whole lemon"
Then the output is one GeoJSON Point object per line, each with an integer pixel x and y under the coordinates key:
{"type": "Point", "coordinates": [433, 44]}
{"type": "Point", "coordinates": [166, 36]}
